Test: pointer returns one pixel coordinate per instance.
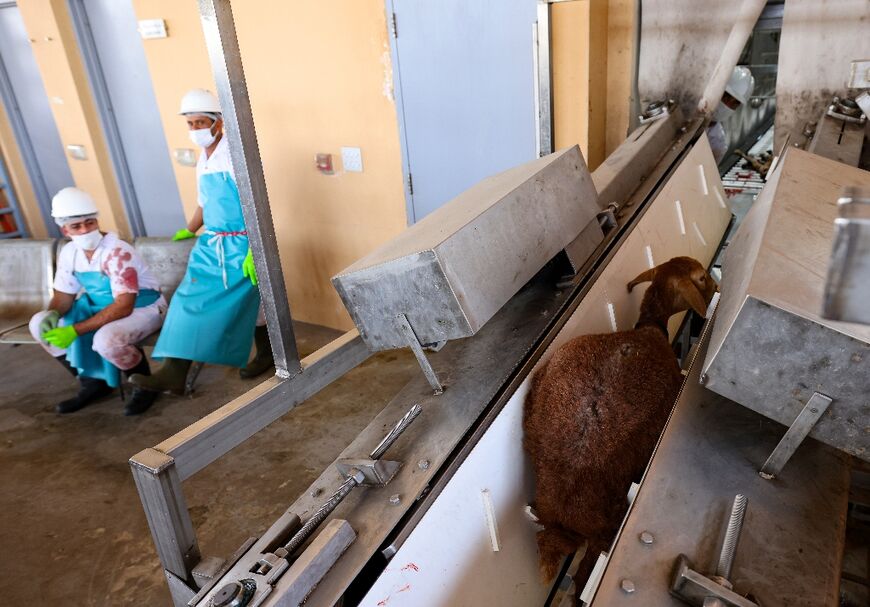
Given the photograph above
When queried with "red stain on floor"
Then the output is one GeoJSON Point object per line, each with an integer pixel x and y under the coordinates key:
{"type": "Point", "coordinates": [404, 588]}
{"type": "Point", "coordinates": [410, 566]}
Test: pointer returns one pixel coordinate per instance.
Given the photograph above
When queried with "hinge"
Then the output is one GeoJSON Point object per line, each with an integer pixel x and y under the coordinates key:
{"type": "Point", "coordinates": [410, 185]}
{"type": "Point", "coordinates": [393, 27]}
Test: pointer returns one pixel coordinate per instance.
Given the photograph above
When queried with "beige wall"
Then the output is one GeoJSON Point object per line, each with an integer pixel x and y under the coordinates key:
{"type": "Point", "coordinates": [56, 52]}
{"type": "Point", "coordinates": [319, 77]}
{"type": "Point", "coordinates": [592, 51]}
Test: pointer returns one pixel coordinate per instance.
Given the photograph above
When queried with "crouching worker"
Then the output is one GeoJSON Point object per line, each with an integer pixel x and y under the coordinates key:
{"type": "Point", "coordinates": [94, 335]}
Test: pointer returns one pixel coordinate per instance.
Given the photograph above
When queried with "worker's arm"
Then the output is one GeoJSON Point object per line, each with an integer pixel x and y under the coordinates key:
{"type": "Point", "coordinates": [195, 222]}
{"type": "Point", "coordinates": [120, 308]}
{"type": "Point", "coordinates": [61, 302]}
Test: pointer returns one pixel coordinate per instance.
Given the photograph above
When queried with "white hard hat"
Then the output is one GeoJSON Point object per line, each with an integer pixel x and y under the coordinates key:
{"type": "Point", "coordinates": [740, 84]}
{"type": "Point", "coordinates": [72, 202]}
{"type": "Point", "coordinates": [199, 101]}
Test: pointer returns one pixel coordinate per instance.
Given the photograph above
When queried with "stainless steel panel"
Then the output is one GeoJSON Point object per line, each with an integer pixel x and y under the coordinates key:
{"type": "Point", "coordinates": [791, 546]}
{"type": "Point", "coordinates": [770, 348]}
{"type": "Point", "coordinates": [167, 260]}
{"type": "Point", "coordinates": [450, 272]}
{"type": "Point", "coordinates": [838, 140]}
{"type": "Point", "coordinates": [688, 49]}
{"type": "Point", "coordinates": [26, 277]}
{"type": "Point", "coordinates": [819, 42]}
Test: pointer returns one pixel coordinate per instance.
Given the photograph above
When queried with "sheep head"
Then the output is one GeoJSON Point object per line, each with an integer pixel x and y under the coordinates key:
{"type": "Point", "coordinates": [681, 283]}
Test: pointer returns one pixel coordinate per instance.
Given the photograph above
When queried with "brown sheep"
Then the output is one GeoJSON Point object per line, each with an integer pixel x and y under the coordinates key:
{"type": "Point", "coordinates": [595, 412]}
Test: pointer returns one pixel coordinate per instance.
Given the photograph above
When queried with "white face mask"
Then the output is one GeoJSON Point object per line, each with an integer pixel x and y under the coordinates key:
{"type": "Point", "coordinates": [202, 137]}
{"type": "Point", "coordinates": [87, 242]}
{"type": "Point", "coordinates": [722, 113]}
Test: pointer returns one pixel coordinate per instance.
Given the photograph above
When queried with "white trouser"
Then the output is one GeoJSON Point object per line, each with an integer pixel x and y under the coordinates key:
{"type": "Point", "coordinates": [115, 341]}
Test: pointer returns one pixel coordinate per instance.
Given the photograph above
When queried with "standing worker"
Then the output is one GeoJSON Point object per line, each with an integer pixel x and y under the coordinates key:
{"type": "Point", "coordinates": [737, 92]}
{"type": "Point", "coordinates": [213, 313]}
{"type": "Point", "coordinates": [95, 335]}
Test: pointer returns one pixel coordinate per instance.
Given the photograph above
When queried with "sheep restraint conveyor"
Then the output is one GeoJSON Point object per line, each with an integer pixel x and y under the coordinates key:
{"type": "Point", "coordinates": [702, 456]}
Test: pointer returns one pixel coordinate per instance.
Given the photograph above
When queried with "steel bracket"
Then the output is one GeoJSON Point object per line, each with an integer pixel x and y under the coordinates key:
{"type": "Point", "coordinates": [695, 589]}
{"type": "Point", "coordinates": [377, 472]}
{"type": "Point", "coordinates": [795, 435]}
{"type": "Point", "coordinates": [417, 348]}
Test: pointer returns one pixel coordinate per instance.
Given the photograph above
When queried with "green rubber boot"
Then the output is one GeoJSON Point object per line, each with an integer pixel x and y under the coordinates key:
{"type": "Point", "coordinates": [262, 360]}
{"type": "Point", "coordinates": [170, 378]}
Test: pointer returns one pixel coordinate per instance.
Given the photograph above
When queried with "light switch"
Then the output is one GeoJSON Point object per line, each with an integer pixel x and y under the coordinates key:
{"type": "Point", "coordinates": [323, 162]}
{"type": "Point", "coordinates": [185, 156]}
{"type": "Point", "coordinates": [351, 160]}
{"type": "Point", "coordinates": [77, 151]}
{"type": "Point", "coordinates": [152, 28]}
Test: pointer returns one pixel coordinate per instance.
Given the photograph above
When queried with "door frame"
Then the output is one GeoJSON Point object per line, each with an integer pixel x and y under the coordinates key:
{"type": "Point", "coordinates": [25, 145]}
{"type": "Point", "coordinates": [111, 131]}
{"type": "Point", "coordinates": [407, 180]}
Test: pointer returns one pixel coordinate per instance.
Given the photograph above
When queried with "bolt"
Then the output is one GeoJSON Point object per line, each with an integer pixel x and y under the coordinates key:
{"type": "Point", "coordinates": [316, 492]}
{"type": "Point", "coordinates": [647, 538]}
{"type": "Point", "coordinates": [703, 379]}
{"type": "Point", "coordinates": [395, 499]}
{"type": "Point", "coordinates": [627, 586]}
{"type": "Point", "coordinates": [732, 535]}
{"type": "Point", "coordinates": [423, 464]}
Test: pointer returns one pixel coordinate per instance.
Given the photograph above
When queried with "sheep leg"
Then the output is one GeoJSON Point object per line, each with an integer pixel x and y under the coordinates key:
{"type": "Point", "coordinates": [554, 544]}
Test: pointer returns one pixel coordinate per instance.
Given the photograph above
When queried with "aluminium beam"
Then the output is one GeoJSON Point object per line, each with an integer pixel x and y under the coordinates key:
{"type": "Point", "coordinates": [206, 440]}
{"type": "Point", "coordinates": [226, 61]}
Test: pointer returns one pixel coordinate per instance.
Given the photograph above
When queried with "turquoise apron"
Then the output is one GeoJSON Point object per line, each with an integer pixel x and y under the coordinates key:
{"type": "Point", "coordinates": [97, 295]}
{"type": "Point", "coordinates": [212, 315]}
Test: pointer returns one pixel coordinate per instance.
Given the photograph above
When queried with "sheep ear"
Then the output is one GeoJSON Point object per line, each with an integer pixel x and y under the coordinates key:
{"type": "Point", "coordinates": [642, 277]}
{"type": "Point", "coordinates": [688, 296]}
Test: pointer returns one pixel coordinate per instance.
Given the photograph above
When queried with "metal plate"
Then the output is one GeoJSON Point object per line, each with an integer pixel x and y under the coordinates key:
{"type": "Point", "coordinates": [791, 546]}
{"type": "Point", "coordinates": [770, 349]}
{"type": "Point", "coordinates": [450, 272]}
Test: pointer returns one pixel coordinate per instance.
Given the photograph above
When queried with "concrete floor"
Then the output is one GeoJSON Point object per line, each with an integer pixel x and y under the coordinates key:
{"type": "Point", "coordinates": [72, 530]}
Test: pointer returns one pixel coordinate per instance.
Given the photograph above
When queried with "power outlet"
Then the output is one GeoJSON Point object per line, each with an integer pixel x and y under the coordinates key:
{"type": "Point", "coordinates": [351, 160]}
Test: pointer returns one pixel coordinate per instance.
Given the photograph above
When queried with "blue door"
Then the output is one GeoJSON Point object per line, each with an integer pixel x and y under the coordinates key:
{"type": "Point", "coordinates": [23, 95]}
{"type": "Point", "coordinates": [464, 91]}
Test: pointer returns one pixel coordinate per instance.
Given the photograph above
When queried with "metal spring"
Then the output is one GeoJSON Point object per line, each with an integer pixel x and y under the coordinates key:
{"type": "Point", "coordinates": [732, 535]}
{"type": "Point", "coordinates": [320, 515]}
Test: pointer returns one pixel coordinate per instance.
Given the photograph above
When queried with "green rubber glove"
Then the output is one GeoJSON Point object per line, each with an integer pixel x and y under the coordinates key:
{"type": "Point", "coordinates": [61, 337]}
{"type": "Point", "coordinates": [183, 234]}
{"type": "Point", "coordinates": [49, 322]}
{"type": "Point", "coordinates": [249, 269]}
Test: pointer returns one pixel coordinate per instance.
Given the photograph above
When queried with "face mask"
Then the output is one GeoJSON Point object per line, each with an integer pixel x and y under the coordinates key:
{"type": "Point", "coordinates": [202, 137]}
{"type": "Point", "coordinates": [722, 113]}
{"type": "Point", "coordinates": [87, 242]}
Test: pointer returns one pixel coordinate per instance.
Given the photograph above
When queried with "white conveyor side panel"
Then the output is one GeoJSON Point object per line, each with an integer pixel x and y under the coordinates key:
{"type": "Point", "coordinates": [449, 558]}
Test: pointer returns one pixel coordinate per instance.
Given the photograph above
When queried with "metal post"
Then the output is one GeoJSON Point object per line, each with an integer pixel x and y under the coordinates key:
{"type": "Point", "coordinates": [545, 80]}
{"type": "Point", "coordinates": [795, 435]}
{"type": "Point", "coordinates": [166, 510]}
{"type": "Point", "coordinates": [223, 50]}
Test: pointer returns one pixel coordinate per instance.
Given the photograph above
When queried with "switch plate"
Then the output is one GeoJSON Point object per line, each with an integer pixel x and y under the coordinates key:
{"type": "Point", "coordinates": [185, 156]}
{"type": "Point", "coordinates": [323, 162]}
{"type": "Point", "coordinates": [351, 160]}
{"type": "Point", "coordinates": [77, 151]}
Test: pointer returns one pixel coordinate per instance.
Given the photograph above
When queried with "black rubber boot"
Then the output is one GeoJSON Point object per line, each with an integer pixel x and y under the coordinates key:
{"type": "Point", "coordinates": [65, 364]}
{"type": "Point", "coordinates": [262, 360]}
{"type": "Point", "coordinates": [141, 398]}
{"type": "Point", "coordinates": [90, 390]}
{"type": "Point", "coordinates": [170, 378]}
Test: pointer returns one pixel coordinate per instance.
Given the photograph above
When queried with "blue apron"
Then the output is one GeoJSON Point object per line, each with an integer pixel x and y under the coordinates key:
{"type": "Point", "coordinates": [97, 295]}
{"type": "Point", "coordinates": [212, 314]}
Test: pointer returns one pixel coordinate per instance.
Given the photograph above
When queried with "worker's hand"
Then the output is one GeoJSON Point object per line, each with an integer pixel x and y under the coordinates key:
{"type": "Point", "coordinates": [183, 234]}
{"type": "Point", "coordinates": [60, 337]}
{"type": "Point", "coordinates": [49, 322]}
{"type": "Point", "coordinates": [249, 269]}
